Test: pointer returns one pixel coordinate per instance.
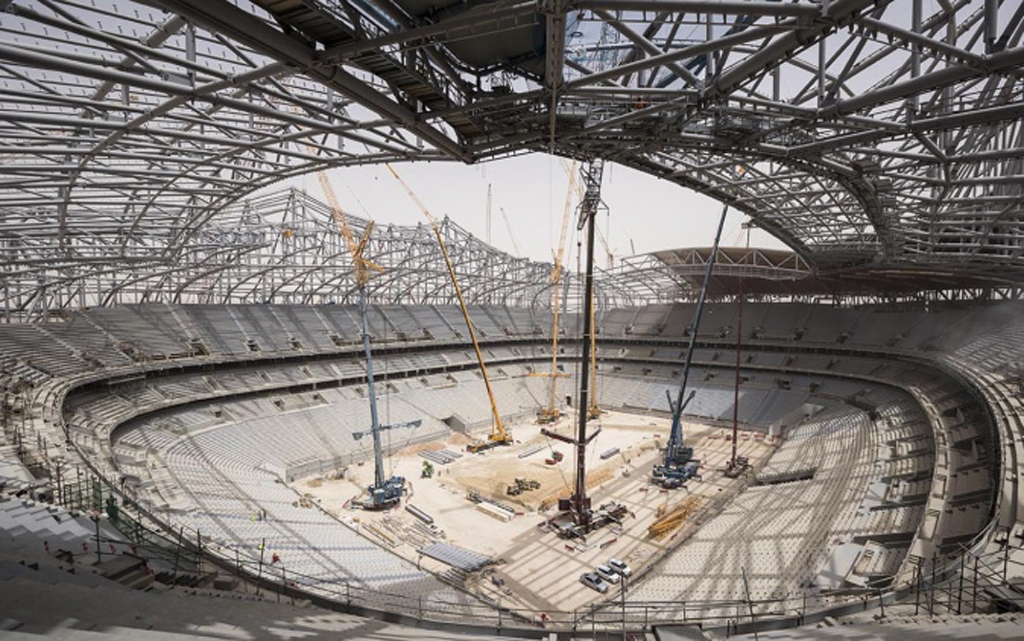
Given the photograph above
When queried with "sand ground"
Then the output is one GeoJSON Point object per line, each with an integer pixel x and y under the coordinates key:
{"type": "Point", "coordinates": [540, 571]}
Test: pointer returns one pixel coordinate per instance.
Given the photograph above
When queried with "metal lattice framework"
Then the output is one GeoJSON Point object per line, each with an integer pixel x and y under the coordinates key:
{"type": "Point", "coordinates": [281, 247]}
{"type": "Point", "coordinates": [865, 134]}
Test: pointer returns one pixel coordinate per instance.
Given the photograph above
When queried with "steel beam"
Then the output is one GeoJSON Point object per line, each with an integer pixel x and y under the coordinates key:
{"type": "Point", "coordinates": [474, 22]}
{"type": "Point", "coordinates": [1010, 59]}
{"type": "Point", "coordinates": [223, 17]}
{"type": "Point", "coordinates": [752, 34]}
{"type": "Point", "coordinates": [724, 7]}
{"type": "Point", "coordinates": [649, 47]}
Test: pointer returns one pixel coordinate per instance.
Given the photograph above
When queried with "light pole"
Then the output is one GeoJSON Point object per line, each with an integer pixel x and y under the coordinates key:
{"type": "Point", "coordinates": [622, 593]}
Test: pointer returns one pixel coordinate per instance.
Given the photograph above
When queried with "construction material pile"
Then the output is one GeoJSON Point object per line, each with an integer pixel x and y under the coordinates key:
{"type": "Point", "coordinates": [670, 518]}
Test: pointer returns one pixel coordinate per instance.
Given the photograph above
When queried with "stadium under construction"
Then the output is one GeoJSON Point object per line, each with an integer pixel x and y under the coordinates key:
{"type": "Point", "coordinates": [234, 408]}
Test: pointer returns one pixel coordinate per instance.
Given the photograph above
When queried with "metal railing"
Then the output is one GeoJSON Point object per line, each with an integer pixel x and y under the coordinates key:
{"type": "Point", "coordinates": [958, 583]}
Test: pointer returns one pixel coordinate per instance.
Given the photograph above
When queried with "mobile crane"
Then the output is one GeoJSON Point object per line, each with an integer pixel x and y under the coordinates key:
{"type": "Point", "coordinates": [499, 435]}
{"type": "Point", "coordinates": [385, 492]}
{"type": "Point", "coordinates": [679, 464]}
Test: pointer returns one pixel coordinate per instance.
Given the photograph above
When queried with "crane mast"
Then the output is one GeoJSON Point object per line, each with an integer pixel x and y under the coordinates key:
{"type": "Point", "coordinates": [578, 505]}
{"type": "Point", "coordinates": [385, 492]}
{"type": "Point", "coordinates": [593, 411]}
{"type": "Point", "coordinates": [551, 412]}
{"type": "Point", "coordinates": [499, 435]}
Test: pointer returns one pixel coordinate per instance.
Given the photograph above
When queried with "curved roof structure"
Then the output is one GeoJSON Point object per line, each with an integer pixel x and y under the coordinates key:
{"type": "Point", "coordinates": [859, 132]}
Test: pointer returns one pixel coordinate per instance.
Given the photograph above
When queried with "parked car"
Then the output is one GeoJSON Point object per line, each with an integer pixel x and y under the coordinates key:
{"type": "Point", "coordinates": [620, 567]}
{"type": "Point", "coordinates": [608, 574]}
{"type": "Point", "coordinates": [594, 582]}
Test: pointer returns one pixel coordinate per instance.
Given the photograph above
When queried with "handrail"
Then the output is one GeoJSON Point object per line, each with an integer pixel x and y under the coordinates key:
{"type": "Point", "coordinates": [461, 615]}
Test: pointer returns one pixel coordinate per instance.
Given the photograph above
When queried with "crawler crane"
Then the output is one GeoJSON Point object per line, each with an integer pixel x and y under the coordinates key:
{"type": "Point", "coordinates": [385, 492]}
{"type": "Point", "coordinates": [499, 435]}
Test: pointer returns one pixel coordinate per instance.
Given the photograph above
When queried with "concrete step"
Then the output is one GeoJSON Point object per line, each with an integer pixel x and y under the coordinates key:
{"type": "Point", "coordinates": [137, 580]}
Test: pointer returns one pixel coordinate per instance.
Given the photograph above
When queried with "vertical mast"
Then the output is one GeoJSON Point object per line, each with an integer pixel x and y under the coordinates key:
{"type": "Point", "coordinates": [739, 349]}
{"type": "Point", "coordinates": [580, 504]}
{"type": "Point", "coordinates": [378, 455]}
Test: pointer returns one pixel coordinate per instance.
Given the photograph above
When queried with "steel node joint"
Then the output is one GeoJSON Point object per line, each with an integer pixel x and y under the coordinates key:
{"type": "Point", "coordinates": [554, 7]}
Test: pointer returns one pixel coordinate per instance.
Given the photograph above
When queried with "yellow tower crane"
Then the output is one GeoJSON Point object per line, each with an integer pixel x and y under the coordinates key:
{"type": "Point", "coordinates": [499, 435]}
{"type": "Point", "coordinates": [551, 412]}
{"type": "Point", "coordinates": [360, 264]}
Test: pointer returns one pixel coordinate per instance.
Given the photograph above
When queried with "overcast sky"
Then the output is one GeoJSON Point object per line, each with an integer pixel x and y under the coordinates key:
{"type": "Point", "coordinates": [652, 213]}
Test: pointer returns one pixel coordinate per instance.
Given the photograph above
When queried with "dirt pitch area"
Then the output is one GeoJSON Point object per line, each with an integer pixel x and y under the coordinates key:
{"type": "Point", "coordinates": [538, 570]}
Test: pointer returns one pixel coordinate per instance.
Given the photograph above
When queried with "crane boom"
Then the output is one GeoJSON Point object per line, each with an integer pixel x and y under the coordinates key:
{"type": "Point", "coordinates": [361, 264]}
{"type": "Point", "coordinates": [384, 492]}
{"type": "Point", "coordinates": [678, 464]}
{"type": "Point", "coordinates": [511, 236]}
{"type": "Point", "coordinates": [336, 211]}
{"type": "Point", "coordinates": [565, 221]}
{"type": "Point", "coordinates": [498, 436]}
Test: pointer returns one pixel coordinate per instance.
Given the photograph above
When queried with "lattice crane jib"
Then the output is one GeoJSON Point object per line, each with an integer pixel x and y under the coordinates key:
{"type": "Point", "coordinates": [499, 434]}
{"type": "Point", "coordinates": [386, 490]}
{"type": "Point", "coordinates": [551, 411]}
